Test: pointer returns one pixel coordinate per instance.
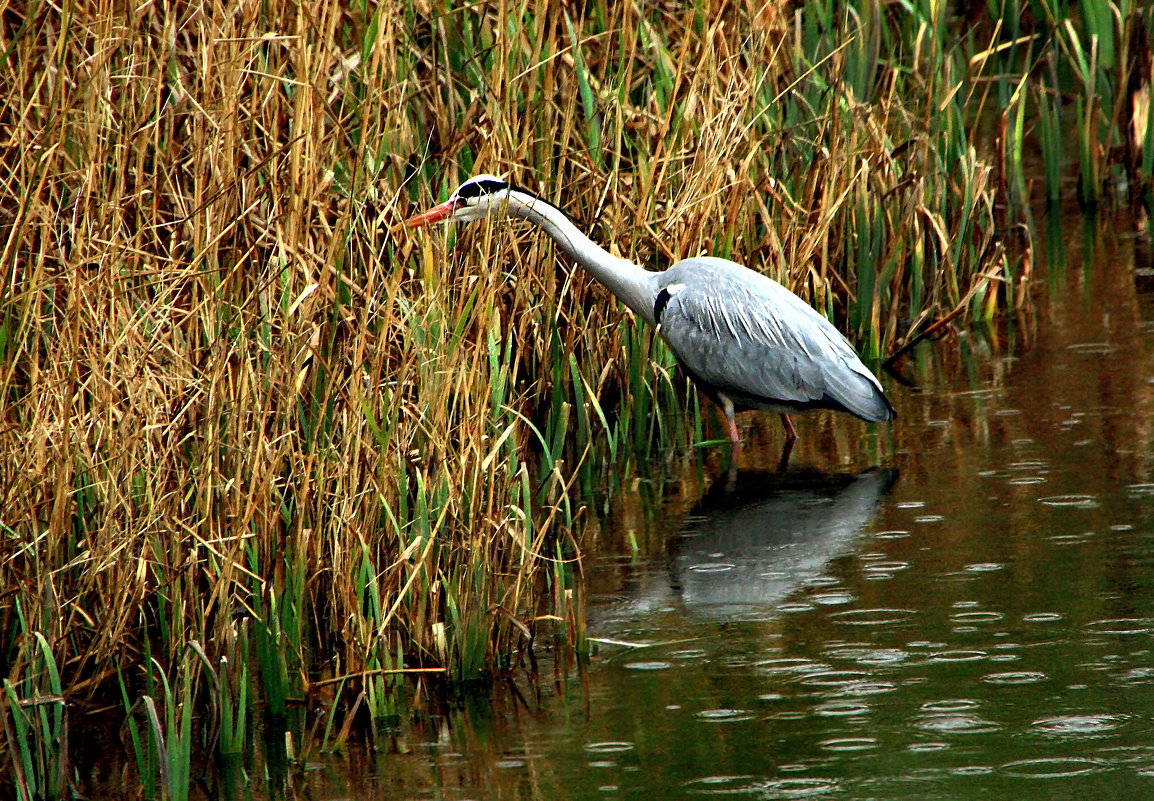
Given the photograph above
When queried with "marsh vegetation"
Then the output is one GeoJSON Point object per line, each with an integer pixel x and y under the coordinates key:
{"type": "Point", "coordinates": [262, 460]}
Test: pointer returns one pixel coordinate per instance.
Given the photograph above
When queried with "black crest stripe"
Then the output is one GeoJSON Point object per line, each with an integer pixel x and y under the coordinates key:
{"type": "Point", "coordinates": [477, 188]}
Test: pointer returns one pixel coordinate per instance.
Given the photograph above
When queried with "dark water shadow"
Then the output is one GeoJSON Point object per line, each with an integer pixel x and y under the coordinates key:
{"type": "Point", "coordinates": [752, 542]}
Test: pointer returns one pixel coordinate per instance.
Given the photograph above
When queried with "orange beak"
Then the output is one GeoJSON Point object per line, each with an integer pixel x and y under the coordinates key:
{"type": "Point", "coordinates": [433, 215]}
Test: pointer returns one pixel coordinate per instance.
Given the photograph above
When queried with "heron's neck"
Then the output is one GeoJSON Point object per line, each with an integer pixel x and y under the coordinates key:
{"type": "Point", "coordinates": [635, 286]}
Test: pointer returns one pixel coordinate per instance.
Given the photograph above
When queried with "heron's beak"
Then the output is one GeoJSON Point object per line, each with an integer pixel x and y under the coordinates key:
{"type": "Point", "coordinates": [433, 215]}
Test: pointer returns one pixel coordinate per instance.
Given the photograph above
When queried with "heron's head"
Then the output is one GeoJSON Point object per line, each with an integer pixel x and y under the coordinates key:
{"type": "Point", "coordinates": [479, 197]}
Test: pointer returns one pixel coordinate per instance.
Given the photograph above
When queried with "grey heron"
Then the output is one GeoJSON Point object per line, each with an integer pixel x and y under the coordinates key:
{"type": "Point", "coordinates": [745, 340]}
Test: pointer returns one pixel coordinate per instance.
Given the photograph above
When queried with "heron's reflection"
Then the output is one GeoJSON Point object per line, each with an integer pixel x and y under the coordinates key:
{"type": "Point", "coordinates": [748, 547]}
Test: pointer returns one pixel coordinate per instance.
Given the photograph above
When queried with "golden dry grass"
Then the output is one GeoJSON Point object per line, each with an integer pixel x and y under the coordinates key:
{"type": "Point", "coordinates": [218, 370]}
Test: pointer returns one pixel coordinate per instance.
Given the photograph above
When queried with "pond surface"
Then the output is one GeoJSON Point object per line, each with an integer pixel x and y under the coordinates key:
{"type": "Point", "coordinates": [957, 606]}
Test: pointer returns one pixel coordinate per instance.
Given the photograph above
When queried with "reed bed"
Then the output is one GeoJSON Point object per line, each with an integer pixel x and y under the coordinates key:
{"type": "Point", "coordinates": [255, 449]}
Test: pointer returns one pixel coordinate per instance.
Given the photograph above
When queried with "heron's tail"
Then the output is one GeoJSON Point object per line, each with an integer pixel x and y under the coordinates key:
{"type": "Point", "coordinates": [860, 394]}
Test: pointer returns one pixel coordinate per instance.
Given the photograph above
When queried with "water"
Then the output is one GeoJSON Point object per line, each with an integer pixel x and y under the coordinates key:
{"type": "Point", "coordinates": [970, 619]}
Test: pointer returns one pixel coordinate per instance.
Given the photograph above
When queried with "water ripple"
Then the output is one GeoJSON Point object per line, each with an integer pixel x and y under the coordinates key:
{"type": "Point", "coordinates": [834, 678]}
{"type": "Point", "coordinates": [1014, 677]}
{"type": "Point", "coordinates": [946, 723]}
{"type": "Point", "coordinates": [796, 788]}
{"type": "Point", "coordinates": [1028, 464]}
{"type": "Point", "coordinates": [1138, 675]}
{"type": "Point", "coordinates": [1071, 539]}
{"type": "Point", "coordinates": [868, 688]}
{"type": "Point", "coordinates": [1052, 767]}
{"type": "Point", "coordinates": [722, 785]}
{"type": "Point", "coordinates": [872, 617]}
{"type": "Point", "coordinates": [761, 788]}
{"type": "Point", "coordinates": [821, 581]}
{"type": "Point", "coordinates": [928, 747]}
{"type": "Point", "coordinates": [1127, 754]}
{"type": "Point", "coordinates": [724, 715]}
{"type": "Point", "coordinates": [950, 705]}
{"type": "Point", "coordinates": [849, 744]}
{"type": "Point", "coordinates": [976, 617]}
{"type": "Point", "coordinates": [612, 747]}
{"type": "Point", "coordinates": [1121, 626]}
{"type": "Point", "coordinates": [837, 709]}
{"type": "Point", "coordinates": [712, 567]}
{"type": "Point", "coordinates": [971, 770]}
{"type": "Point", "coordinates": [886, 567]}
{"type": "Point", "coordinates": [847, 682]}
{"type": "Point", "coordinates": [791, 666]}
{"type": "Point", "coordinates": [1077, 725]}
{"type": "Point", "coordinates": [871, 656]}
{"type": "Point", "coordinates": [833, 598]}
{"type": "Point", "coordinates": [1091, 348]}
{"type": "Point", "coordinates": [957, 656]}
{"type": "Point", "coordinates": [984, 567]}
{"type": "Point", "coordinates": [795, 607]}
{"type": "Point", "coordinates": [1073, 500]}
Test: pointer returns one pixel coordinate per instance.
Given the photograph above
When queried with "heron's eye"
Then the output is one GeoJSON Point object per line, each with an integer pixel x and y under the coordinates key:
{"type": "Point", "coordinates": [475, 189]}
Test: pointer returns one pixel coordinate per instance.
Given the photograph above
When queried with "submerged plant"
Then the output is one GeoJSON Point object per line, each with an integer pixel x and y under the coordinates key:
{"type": "Point", "coordinates": [36, 728]}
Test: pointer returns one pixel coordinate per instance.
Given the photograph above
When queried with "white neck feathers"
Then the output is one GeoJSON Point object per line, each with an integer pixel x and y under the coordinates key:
{"type": "Point", "coordinates": [633, 285]}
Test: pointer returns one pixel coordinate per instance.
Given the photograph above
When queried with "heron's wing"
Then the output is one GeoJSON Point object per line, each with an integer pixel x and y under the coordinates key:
{"type": "Point", "coordinates": [749, 337]}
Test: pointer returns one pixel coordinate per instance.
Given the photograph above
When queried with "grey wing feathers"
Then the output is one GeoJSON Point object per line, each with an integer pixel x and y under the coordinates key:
{"type": "Point", "coordinates": [748, 337]}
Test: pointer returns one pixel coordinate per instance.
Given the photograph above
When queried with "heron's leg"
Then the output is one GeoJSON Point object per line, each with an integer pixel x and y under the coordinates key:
{"type": "Point", "coordinates": [790, 431]}
{"type": "Point", "coordinates": [783, 462]}
{"type": "Point", "coordinates": [734, 435]}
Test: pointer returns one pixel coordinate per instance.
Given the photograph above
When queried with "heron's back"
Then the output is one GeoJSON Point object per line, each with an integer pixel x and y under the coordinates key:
{"type": "Point", "coordinates": [743, 335]}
